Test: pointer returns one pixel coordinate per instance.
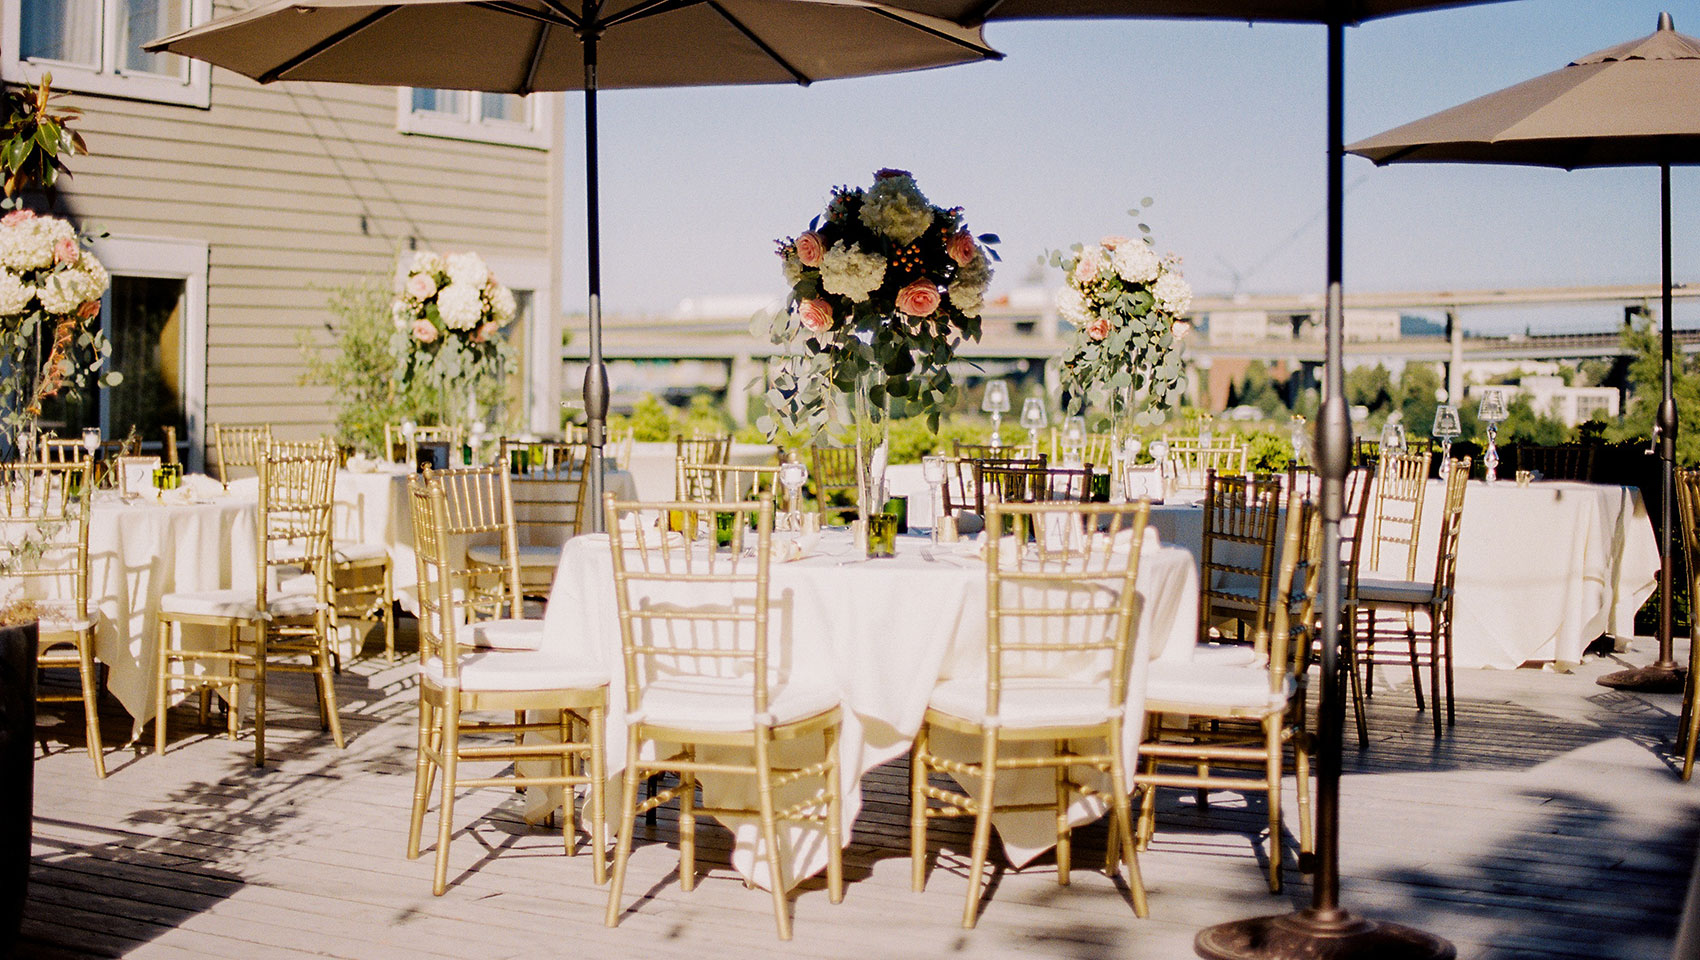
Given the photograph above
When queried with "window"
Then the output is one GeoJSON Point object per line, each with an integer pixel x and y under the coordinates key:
{"type": "Point", "coordinates": [531, 332]}
{"type": "Point", "coordinates": [462, 115]}
{"type": "Point", "coordinates": [95, 46]}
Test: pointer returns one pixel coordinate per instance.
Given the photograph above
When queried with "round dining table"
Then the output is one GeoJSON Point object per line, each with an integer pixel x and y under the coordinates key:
{"type": "Point", "coordinates": [884, 632]}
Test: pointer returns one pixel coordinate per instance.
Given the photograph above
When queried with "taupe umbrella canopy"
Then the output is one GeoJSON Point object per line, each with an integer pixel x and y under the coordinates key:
{"type": "Point", "coordinates": [1276, 11]}
{"type": "Point", "coordinates": [522, 46]}
{"type": "Point", "coordinates": [1635, 104]}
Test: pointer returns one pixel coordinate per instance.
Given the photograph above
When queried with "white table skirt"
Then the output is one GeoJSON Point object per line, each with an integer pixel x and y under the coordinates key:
{"type": "Point", "coordinates": [885, 656]}
{"type": "Point", "coordinates": [1542, 570]}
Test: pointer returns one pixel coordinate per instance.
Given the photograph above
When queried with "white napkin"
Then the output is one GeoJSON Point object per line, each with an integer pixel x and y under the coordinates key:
{"type": "Point", "coordinates": [201, 486]}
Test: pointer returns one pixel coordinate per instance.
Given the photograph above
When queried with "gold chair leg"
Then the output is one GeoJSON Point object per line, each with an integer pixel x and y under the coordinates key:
{"type": "Point", "coordinates": [259, 690]}
{"type": "Point", "coordinates": [389, 613]}
{"type": "Point", "coordinates": [918, 811]}
{"type": "Point", "coordinates": [421, 781]}
{"type": "Point", "coordinates": [327, 683]}
{"type": "Point", "coordinates": [1272, 770]}
{"type": "Point", "coordinates": [1121, 828]}
{"type": "Point", "coordinates": [982, 826]}
{"type": "Point", "coordinates": [446, 808]}
{"type": "Point", "coordinates": [598, 795]}
{"type": "Point", "coordinates": [1350, 651]}
{"type": "Point", "coordinates": [834, 819]}
{"type": "Point", "coordinates": [770, 834]}
{"type": "Point", "coordinates": [1064, 834]}
{"type": "Point", "coordinates": [566, 728]}
{"type": "Point", "coordinates": [91, 703]}
{"type": "Point", "coordinates": [1301, 773]}
{"type": "Point", "coordinates": [628, 823]}
{"type": "Point", "coordinates": [162, 662]}
{"type": "Point", "coordinates": [688, 825]}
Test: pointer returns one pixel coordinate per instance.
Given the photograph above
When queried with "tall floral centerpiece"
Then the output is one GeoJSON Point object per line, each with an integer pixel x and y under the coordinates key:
{"type": "Point", "coordinates": [449, 315]}
{"type": "Point", "coordinates": [50, 290]}
{"type": "Point", "coordinates": [884, 287]}
{"type": "Point", "coordinates": [1124, 303]}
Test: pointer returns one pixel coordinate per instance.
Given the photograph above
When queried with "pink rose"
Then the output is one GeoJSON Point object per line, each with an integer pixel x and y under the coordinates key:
{"type": "Point", "coordinates": [424, 330]}
{"type": "Point", "coordinates": [919, 299]}
{"type": "Point", "coordinates": [962, 248]}
{"type": "Point", "coordinates": [816, 315]}
{"type": "Point", "coordinates": [420, 287]}
{"type": "Point", "coordinates": [1098, 328]}
{"type": "Point", "coordinates": [17, 216]}
{"type": "Point", "coordinates": [65, 250]}
{"type": "Point", "coordinates": [89, 310]}
{"type": "Point", "coordinates": [1113, 241]}
{"type": "Point", "coordinates": [1087, 268]}
{"type": "Point", "coordinates": [485, 331]}
{"type": "Point", "coordinates": [810, 249]}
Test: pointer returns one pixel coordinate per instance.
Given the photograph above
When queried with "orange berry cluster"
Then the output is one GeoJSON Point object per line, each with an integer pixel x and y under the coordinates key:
{"type": "Point", "coordinates": [909, 260]}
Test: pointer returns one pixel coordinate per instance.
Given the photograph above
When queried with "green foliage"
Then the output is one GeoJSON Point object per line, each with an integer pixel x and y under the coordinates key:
{"type": "Point", "coordinates": [360, 368]}
{"type": "Point", "coordinates": [1257, 389]}
{"type": "Point", "coordinates": [653, 421]}
{"type": "Point", "coordinates": [1268, 453]}
{"type": "Point", "coordinates": [1646, 383]}
{"type": "Point", "coordinates": [36, 137]}
{"type": "Point", "coordinates": [1370, 387]}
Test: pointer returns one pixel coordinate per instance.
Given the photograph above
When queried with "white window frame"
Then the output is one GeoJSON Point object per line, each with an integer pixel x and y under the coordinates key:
{"type": "Point", "coordinates": [471, 125]}
{"type": "Point", "coordinates": [171, 259]}
{"type": "Point", "coordinates": [542, 411]}
{"type": "Point", "coordinates": [196, 91]}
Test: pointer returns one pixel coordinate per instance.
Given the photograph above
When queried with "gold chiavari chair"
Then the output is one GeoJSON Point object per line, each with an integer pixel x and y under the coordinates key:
{"type": "Point", "coordinates": [1688, 509]}
{"type": "Point", "coordinates": [63, 449]}
{"type": "Point", "coordinates": [1421, 609]}
{"type": "Point", "coordinates": [1061, 635]}
{"type": "Point", "coordinates": [1190, 461]}
{"type": "Point", "coordinates": [1033, 483]}
{"type": "Point", "coordinates": [1210, 704]}
{"type": "Point", "coordinates": [963, 489]}
{"type": "Point", "coordinates": [44, 546]}
{"type": "Point", "coordinates": [469, 666]}
{"type": "Point", "coordinates": [548, 503]}
{"type": "Point", "coordinates": [700, 449]}
{"type": "Point", "coordinates": [287, 609]}
{"type": "Point", "coordinates": [404, 446]}
{"type": "Point", "coordinates": [701, 672]}
{"type": "Point", "coordinates": [618, 449]}
{"type": "Point", "coordinates": [1395, 522]}
{"type": "Point", "coordinates": [1564, 461]}
{"type": "Point", "coordinates": [239, 447]}
{"type": "Point", "coordinates": [1237, 555]}
{"type": "Point", "coordinates": [1098, 447]}
{"type": "Point", "coordinates": [722, 482]}
{"type": "Point", "coordinates": [832, 472]}
{"type": "Point", "coordinates": [990, 451]}
{"type": "Point", "coordinates": [1366, 452]}
{"type": "Point", "coordinates": [1353, 528]}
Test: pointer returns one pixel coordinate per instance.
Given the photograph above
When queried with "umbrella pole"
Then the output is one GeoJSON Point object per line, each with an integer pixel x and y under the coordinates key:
{"type": "Point", "coordinates": [1663, 675]}
{"type": "Point", "coordinates": [595, 374]}
{"type": "Point", "coordinates": [1324, 930]}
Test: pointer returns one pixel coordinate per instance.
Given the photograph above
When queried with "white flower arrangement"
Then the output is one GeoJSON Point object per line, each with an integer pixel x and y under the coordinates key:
{"type": "Point", "coordinates": [449, 312]}
{"type": "Point", "coordinates": [1122, 300]}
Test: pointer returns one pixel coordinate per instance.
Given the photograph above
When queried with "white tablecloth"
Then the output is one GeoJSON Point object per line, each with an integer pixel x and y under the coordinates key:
{"type": "Point", "coordinates": [653, 472]}
{"type": "Point", "coordinates": [1542, 570]}
{"type": "Point", "coordinates": [883, 631]}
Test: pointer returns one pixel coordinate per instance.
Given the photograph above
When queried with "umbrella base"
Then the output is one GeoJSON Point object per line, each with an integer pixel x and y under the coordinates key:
{"type": "Point", "coordinates": [1652, 678]}
{"type": "Point", "coordinates": [1310, 935]}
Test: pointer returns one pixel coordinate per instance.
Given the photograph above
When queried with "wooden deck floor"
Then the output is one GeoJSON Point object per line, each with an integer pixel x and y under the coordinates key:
{"type": "Point", "coordinates": [1547, 823]}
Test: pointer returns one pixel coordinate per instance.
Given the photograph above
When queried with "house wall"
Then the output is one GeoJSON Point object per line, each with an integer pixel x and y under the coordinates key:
{"type": "Point", "coordinates": [296, 188]}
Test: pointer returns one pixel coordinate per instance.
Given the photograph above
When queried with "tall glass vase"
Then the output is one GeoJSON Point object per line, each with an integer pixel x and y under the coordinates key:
{"type": "Point", "coordinates": [1122, 430]}
{"type": "Point", "coordinates": [871, 429]}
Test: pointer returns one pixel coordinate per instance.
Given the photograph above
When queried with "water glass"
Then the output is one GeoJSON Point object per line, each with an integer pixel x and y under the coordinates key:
{"type": "Point", "coordinates": [882, 535]}
{"type": "Point", "coordinates": [898, 507]}
{"type": "Point", "coordinates": [725, 527]}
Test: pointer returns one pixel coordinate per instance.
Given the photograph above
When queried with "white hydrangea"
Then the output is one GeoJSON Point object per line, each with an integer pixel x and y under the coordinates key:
{"type": "Point", "coordinates": [26, 246]}
{"type": "Point", "coordinates": [401, 314]}
{"type": "Point", "coordinates": [427, 262]}
{"type": "Point", "coordinates": [467, 268]}
{"type": "Point", "coordinates": [894, 206]}
{"type": "Point", "coordinates": [1173, 293]}
{"type": "Point", "coordinates": [793, 271]}
{"type": "Point", "coordinates": [502, 305]}
{"type": "Point", "coordinates": [63, 292]}
{"type": "Point", "coordinates": [1136, 262]}
{"type": "Point", "coordinates": [94, 272]}
{"type": "Point", "coordinates": [460, 306]}
{"type": "Point", "coordinates": [1071, 306]}
{"type": "Point", "coordinates": [15, 295]}
{"type": "Point", "coordinates": [967, 298]}
{"type": "Point", "coordinates": [849, 272]}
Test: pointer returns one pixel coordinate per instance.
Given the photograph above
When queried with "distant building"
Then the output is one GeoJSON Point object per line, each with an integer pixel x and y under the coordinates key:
{"type": "Point", "coordinates": [1549, 396]}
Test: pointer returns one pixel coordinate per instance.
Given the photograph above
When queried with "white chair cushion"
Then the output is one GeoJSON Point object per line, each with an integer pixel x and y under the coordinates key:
{"type": "Point", "coordinates": [238, 604]}
{"type": "Point", "coordinates": [1173, 685]}
{"type": "Point", "coordinates": [517, 670]}
{"type": "Point", "coordinates": [1378, 590]}
{"type": "Point", "coordinates": [530, 555]}
{"type": "Point", "coordinates": [1026, 702]}
{"type": "Point", "coordinates": [718, 705]}
{"type": "Point", "coordinates": [506, 634]}
{"type": "Point", "coordinates": [298, 584]}
{"type": "Point", "coordinates": [1225, 654]}
{"type": "Point", "coordinates": [350, 551]}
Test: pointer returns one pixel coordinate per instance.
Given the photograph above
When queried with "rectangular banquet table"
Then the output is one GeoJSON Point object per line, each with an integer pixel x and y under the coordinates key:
{"type": "Point", "coordinates": [884, 632]}
{"type": "Point", "coordinates": [1542, 570]}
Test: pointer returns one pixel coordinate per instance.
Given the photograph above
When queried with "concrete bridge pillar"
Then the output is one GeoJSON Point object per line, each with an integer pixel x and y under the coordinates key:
{"type": "Point", "coordinates": [739, 372]}
{"type": "Point", "coordinates": [1455, 365]}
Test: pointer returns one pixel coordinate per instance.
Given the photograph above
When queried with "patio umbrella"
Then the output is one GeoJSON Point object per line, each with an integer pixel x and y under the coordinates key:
{"type": "Point", "coordinates": [1635, 104]}
{"type": "Point", "coordinates": [527, 46]}
{"type": "Point", "coordinates": [1324, 929]}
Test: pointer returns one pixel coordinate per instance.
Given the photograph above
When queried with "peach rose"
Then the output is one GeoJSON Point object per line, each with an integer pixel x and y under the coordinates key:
{"type": "Point", "coordinates": [1113, 241]}
{"type": "Point", "coordinates": [962, 248]}
{"type": "Point", "coordinates": [810, 249]}
{"type": "Point", "coordinates": [89, 310]}
{"type": "Point", "coordinates": [424, 330]}
{"type": "Point", "coordinates": [65, 251]}
{"type": "Point", "coordinates": [1098, 328]}
{"type": "Point", "coordinates": [485, 331]}
{"type": "Point", "coordinates": [420, 287]}
{"type": "Point", "coordinates": [1087, 268]}
{"type": "Point", "coordinates": [17, 216]}
{"type": "Point", "coordinates": [919, 299]}
{"type": "Point", "coordinates": [816, 315]}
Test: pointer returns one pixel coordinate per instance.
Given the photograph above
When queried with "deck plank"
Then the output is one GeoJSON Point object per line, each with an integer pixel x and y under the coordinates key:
{"type": "Point", "coordinates": [1546, 823]}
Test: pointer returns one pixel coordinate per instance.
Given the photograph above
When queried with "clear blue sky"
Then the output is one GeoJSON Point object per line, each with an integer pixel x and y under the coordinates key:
{"type": "Point", "coordinates": [1221, 123]}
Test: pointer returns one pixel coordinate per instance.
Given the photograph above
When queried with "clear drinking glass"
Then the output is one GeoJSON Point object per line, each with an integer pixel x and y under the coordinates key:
{"type": "Point", "coordinates": [1033, 418]}
{"type": "Point", "coordinates": [792, 476]}
{"type": "Point", "coordinates": [1074, 441]}
{"type": "Point", "coordinates": [996, 403]}
{"type": "Point", "coordinates": [933, 471]}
